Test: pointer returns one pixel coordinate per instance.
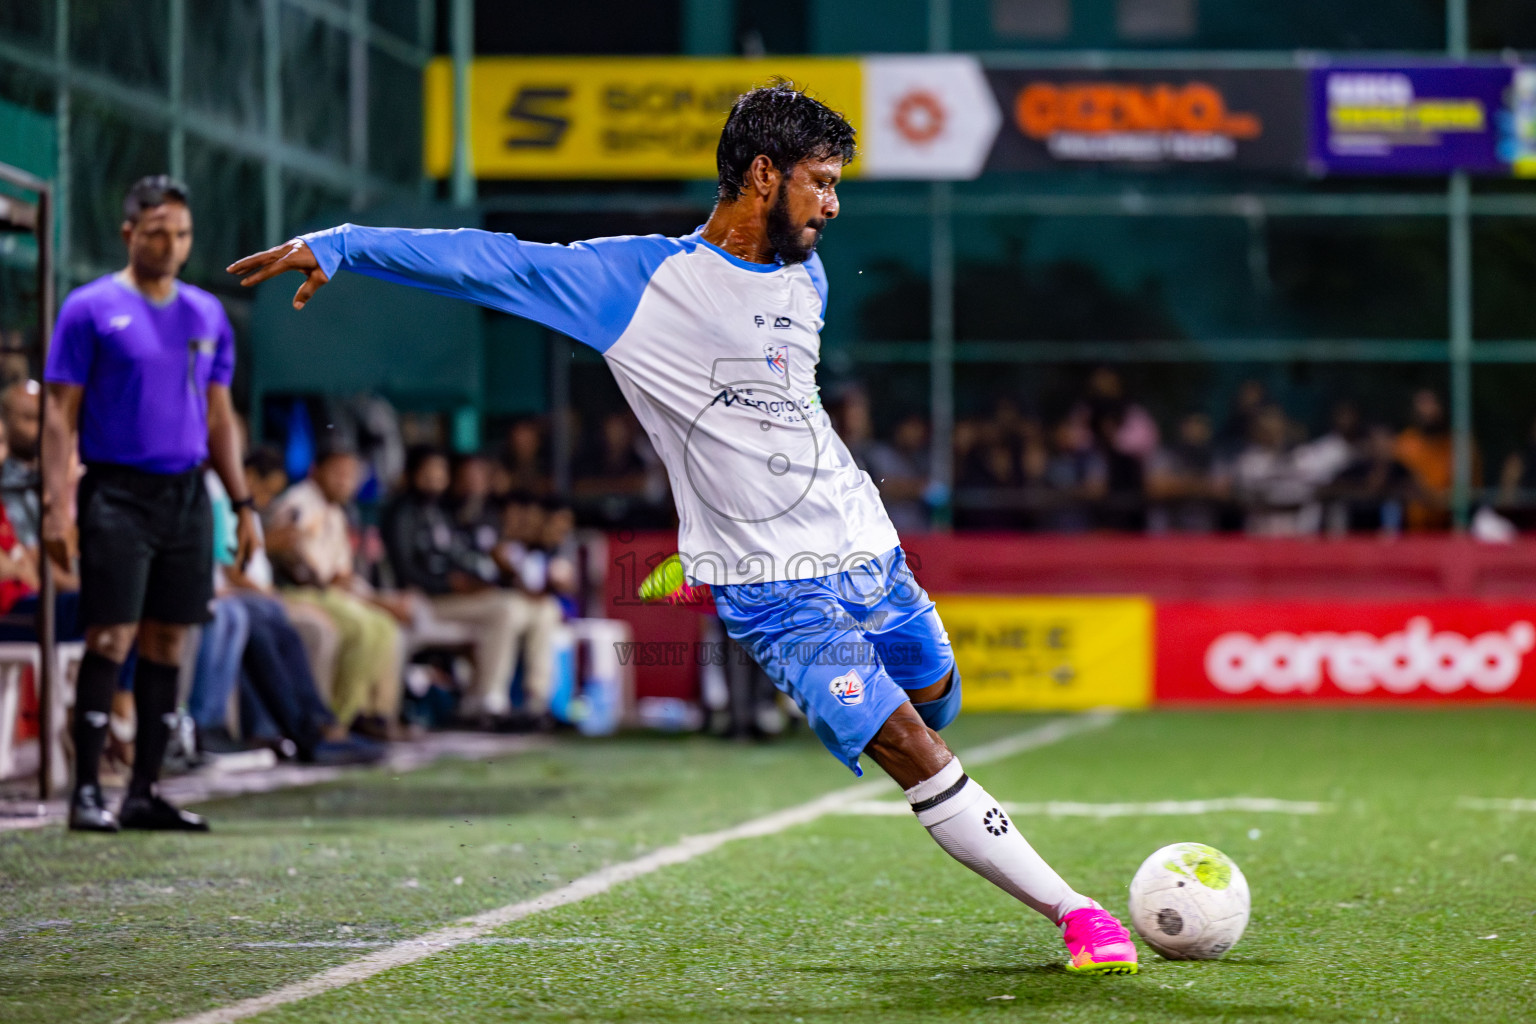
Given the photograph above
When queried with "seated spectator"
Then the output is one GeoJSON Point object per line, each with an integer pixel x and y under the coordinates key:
{"type": "Point", "coordinates": [1135, 431]}
{"type": "Point", "coordinates": [1186, 482]}
{"type": "Point", "coordinates": [900, 470]}
{"type": "Point", "coordinates": [432, 560]}
{"type": "Point", "coordinates": [522, 463]}
{"type": "Point", "coordinates": [474, 509]}
{"type": "Point", "coordinates": [1125, 483]}
{"type": "Point", "coordinates": [310, 543]}
{"type": "Point", "coordinates": [251, 645]}
{"type": "Point", "coordinates": [1372, 491]}
{"type": "Point", "coordinates": [1426, 448]}
{"type": "Point", "coordinates": [19, 481]}
{"type": "Point", "coordinates": [1517, 483]}
{"type": "Point", "coordinates": [20, 579]}
{"type": "Point", "coordinates": [1324, 458]}
{"type": "Point", "coordinates": [1280, 499]}
{"type": "Point", "coordinates": [265, 479]}
{"type": "Point", "coordinates": [1075, 475]}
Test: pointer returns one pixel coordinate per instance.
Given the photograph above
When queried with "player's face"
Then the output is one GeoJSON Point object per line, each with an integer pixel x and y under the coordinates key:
{"type": "Point", "coordinates": [807, 200]}
{"type": "Point", "coordinates": [160, 241]}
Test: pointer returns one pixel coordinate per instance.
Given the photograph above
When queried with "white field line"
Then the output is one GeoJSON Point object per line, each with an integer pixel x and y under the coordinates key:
{"type": "Point", "coordinates": [371, 944]}
{"type": "Point", "coordinates": [470, 929]}
{"type": "Point", "coordinates": [1473, 803]}
{"type": "Point", "coordinates": [1156, 808]}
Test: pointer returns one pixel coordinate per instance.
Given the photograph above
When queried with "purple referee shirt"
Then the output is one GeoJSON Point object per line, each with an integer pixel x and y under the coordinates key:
{"type": "Point", "coordinates": [145, 369]}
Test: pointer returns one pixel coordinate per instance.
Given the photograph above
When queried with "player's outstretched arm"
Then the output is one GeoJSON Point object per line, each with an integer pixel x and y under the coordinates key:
{"type": "Point", "coordinates": [586, 290]}
{"type": "Point", "coordinates": [291, 255]}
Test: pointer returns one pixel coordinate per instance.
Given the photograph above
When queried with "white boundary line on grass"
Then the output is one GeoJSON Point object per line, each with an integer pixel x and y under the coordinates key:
{"type": "Point", "coordinates": [473, 928]}
{"type": "Point", "coordinates": [1155, 808]}
{"type": "Point", "coordinates": [1476, 803]}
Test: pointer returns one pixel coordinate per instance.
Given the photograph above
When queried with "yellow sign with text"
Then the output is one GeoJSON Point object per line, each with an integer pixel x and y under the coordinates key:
{"type": "Point", "coordinates": [1050, 654]}
{"type": "Point", "coordinates": [600, 117]}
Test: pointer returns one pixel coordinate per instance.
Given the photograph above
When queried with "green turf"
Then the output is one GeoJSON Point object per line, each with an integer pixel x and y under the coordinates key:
{"type": "Point", "coordinates": [1374, 912]}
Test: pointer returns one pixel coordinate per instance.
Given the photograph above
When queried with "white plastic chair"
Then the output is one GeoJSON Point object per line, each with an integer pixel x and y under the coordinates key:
{"type": "Point", "coordinates": [14, 657]}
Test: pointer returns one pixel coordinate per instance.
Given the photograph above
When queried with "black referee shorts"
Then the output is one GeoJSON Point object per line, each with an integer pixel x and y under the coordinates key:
{"type": "Point", "coordinates": [146, 547]}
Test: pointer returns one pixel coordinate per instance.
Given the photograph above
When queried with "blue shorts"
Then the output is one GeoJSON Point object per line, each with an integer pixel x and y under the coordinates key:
{"type": "Point", "coordinates": [847, 648]}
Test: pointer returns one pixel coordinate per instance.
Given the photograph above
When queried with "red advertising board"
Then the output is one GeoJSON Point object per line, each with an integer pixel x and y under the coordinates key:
{"type": "Point", "coordinates": [1338, 651]}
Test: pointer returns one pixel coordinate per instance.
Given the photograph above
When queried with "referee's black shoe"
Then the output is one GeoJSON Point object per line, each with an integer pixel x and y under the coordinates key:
{"type": "Point", "coordinates": [88, 811]}
{"type": "Point", "coordinates": [152, 812]}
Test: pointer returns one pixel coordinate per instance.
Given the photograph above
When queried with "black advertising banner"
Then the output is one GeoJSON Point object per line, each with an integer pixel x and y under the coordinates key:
{"type": "Point", "coordinates": [1252, 120]}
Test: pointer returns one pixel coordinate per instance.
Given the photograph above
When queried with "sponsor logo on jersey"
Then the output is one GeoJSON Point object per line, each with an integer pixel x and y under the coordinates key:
{"type": "Point", "coordinates": [778, 358]}
{"type": "Point", "coordinates": [848, 689]}
{"type": "Point", "coordinates": [782, 323]}
{"type": "Point", "coordinates": [758, 319]}
{"type": "Point", "coordinates": [120, 321]}
{"type": "Point", "coordinates": [1359, 662]}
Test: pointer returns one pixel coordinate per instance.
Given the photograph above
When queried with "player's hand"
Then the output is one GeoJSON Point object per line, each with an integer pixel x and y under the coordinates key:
{"type": "Point", "coordinates": [291, 255]}
{"type": "Point", "coordinates": [247, 538]}
{"type": "Point", "coordinates": [59, 540]}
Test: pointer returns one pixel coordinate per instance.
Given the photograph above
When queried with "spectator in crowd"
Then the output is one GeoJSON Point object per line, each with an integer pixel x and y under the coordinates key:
{"type": "Point", "coordinates": [1135, 431]}
{"type": "Point", "coordinates": [1076, 475]}
{"type": "Point", "coordinates": [900, 468]}
{"type": "Point", "coordinates": [252, 646]}
{"type": "Point", "coordinates": [19, 474]}
{"type": "Point", "coordinates": [1278, 496]}
{"type": "Point", "coordinates": [432, 561]}
{"type": "Point", "coordinates": [20, 579]}
{"type": "Point", "coordinates": [1425, 447]}
{"type": "Point", "coordinates": [1125, 486]}
{"type": "Point", "coordinates": [619, 479]}
{"type": "Point", "coordinates": [1517, 482]}
{"type": "Point", "coordinates": [1322, 459]}
{"type": "Point", "coordinates": [474, 509]}
{"type": "Point", "coordinates": [266, 478]}
{"type": "Point", "coordinates": [1370, 494]}
{"type": "Point", "coordinates": [310, 541]}
{"type": "Point", "coordinates": [1250, 400]}
{"type": "Point", "coordinates": [1186, 482]}
{"type": "Point", "coordinates": [522, 464]}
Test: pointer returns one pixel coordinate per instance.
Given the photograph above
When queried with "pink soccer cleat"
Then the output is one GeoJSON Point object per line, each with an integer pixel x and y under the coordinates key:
{"type": "Point", "coordinates": [1098, 943]}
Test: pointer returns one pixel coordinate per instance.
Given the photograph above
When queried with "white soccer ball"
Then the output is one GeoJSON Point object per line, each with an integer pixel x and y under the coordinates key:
{"type": "Point", "coordinates": [1189, 901]}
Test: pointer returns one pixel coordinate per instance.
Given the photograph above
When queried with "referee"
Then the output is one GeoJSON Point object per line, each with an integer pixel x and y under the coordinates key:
{"type": "Point", "coordinates": [139, 374]}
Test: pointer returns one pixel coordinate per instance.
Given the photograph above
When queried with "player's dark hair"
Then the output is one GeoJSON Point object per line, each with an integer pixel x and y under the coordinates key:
{"type": "Point", "coordinates": [152, 191]}
{"type": "Point", "coordinates": [784, 124]}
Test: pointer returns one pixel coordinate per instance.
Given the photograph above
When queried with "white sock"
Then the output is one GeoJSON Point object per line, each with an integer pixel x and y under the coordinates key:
{"type": "Point", "coordinates": [972, 828]}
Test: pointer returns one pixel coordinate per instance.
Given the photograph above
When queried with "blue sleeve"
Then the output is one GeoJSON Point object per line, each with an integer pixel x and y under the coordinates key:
{"type": "Point", "coordinates": [819, 279]}
{"type": "Point", "coordinates": [74, 344]}
{"type": "Point", "coordinates": [588, 290]}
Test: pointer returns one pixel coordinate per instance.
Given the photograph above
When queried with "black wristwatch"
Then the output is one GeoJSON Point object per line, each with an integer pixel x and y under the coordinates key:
{"type": "Point", "coordinates": [244, 503]}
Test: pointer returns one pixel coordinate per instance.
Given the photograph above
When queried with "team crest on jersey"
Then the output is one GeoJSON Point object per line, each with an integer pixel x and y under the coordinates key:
{"type": "Point", "coordinates": [778, 358]}
{"type": "Point", "coordinates": [848, 689]}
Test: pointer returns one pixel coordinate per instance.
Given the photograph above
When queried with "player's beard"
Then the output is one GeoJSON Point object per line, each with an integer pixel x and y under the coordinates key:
{"type": "Point", "coordinates": [786, 239]}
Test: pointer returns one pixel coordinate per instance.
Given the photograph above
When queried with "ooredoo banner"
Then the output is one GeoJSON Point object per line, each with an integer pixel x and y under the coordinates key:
{"type": "Point", "coordinates": [1293, 651]}
{"type": "Point", "coordinates": [1249, 119]}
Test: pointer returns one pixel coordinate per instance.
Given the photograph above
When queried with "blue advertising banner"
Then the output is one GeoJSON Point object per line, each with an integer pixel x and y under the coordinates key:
{"type": "Point", "coordinates": [1414, 120]}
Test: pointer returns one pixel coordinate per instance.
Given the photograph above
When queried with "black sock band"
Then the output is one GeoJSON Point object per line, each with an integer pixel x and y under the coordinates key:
{"type": "Point", "coordinates": [154, 703]}
{"type": "Point", "coordinates": [94, 687]}
{"type": "Point", "coordinates": [932, 802]}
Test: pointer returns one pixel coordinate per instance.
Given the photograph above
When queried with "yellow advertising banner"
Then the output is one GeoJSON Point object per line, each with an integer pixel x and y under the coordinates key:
{"type": "Point", "coordinates": [601, 117]}
{"type": "Point", "coordinates": [1051, 654]}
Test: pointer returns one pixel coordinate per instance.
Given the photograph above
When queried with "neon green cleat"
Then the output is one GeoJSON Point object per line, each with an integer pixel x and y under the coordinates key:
{"type": "Point", "coordinates": [667, 583]}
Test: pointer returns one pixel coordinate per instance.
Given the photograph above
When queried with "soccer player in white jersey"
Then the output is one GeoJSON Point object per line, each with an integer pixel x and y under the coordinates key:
{"type": "Point", "coordinates": [714, 339]}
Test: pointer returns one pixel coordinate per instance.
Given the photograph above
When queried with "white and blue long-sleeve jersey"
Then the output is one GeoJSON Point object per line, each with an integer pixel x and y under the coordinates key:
{"type": "Point", "coordinates": [716, 355]}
